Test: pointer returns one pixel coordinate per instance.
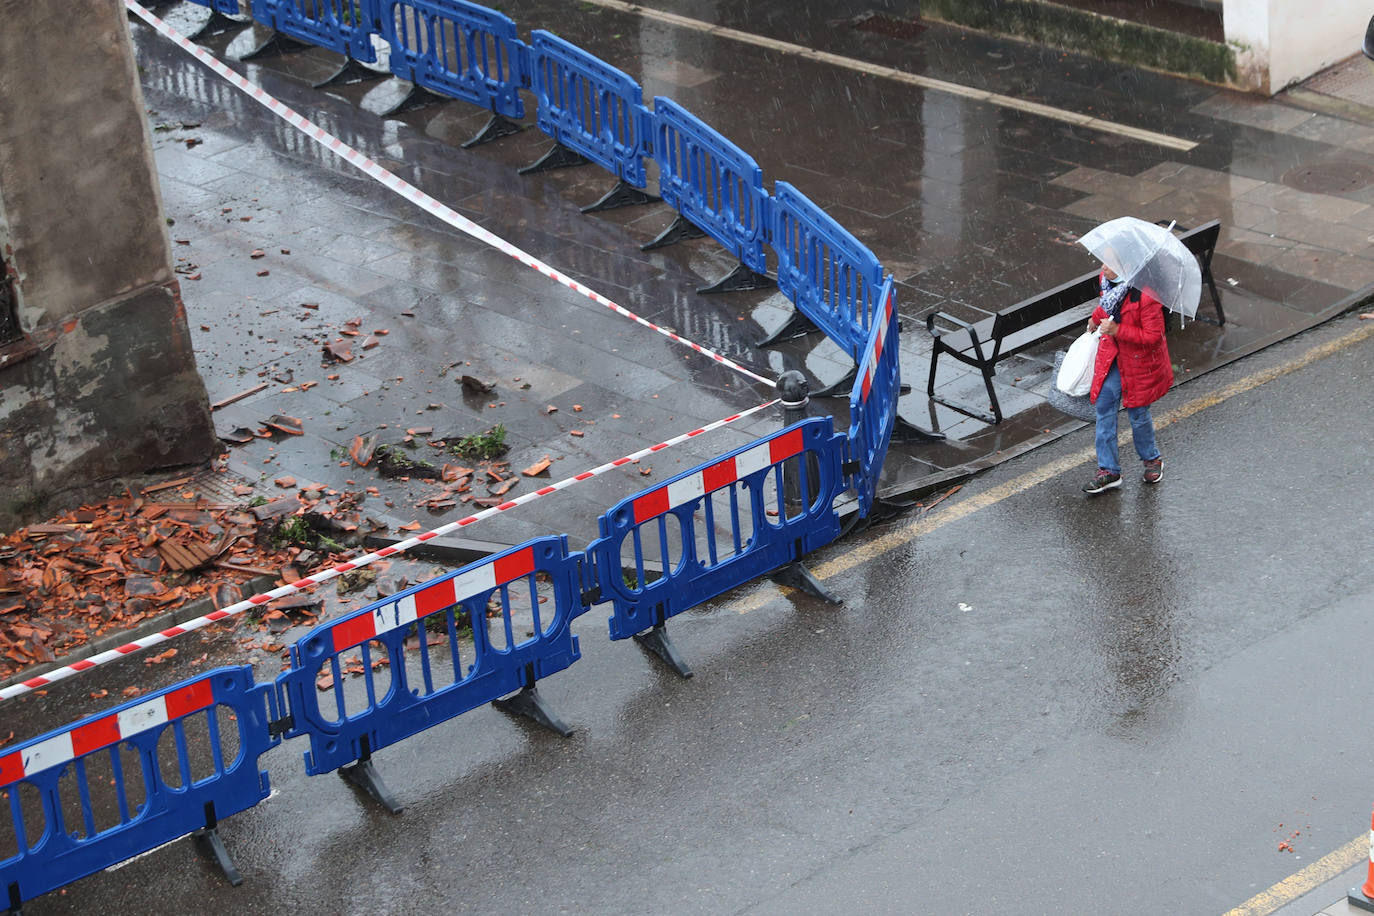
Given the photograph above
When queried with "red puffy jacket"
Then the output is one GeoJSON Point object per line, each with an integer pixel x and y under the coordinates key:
{"type": "Point", "coordinates": [1138, 349]}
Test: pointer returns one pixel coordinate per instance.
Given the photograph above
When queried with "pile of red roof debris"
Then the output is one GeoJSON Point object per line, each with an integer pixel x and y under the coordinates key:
{"type": "Point", "coordinates": [110, 566]}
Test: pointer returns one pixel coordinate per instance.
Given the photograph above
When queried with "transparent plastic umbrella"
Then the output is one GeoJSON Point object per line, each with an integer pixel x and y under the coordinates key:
{"type": "Point", "coordinates": [1151, 258]}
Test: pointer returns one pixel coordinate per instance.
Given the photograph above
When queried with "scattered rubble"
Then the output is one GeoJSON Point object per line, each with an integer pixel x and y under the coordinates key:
{"type": "Point", "coordinates": [476, 385]}
{"type": "Point", "coordinates": [112, 566]}
{"type": "Point", "coordinates": [539, 467]}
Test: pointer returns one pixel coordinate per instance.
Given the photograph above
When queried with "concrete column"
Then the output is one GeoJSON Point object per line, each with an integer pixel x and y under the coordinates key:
{"type": "Point", "coordinates": [103, 383]}
{"type": "Point", "coordinates": [1281, 42]}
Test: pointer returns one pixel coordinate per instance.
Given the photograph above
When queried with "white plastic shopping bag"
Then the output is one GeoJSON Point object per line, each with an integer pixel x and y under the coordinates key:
{"type": "Point", "coordinates": [1076, 374]}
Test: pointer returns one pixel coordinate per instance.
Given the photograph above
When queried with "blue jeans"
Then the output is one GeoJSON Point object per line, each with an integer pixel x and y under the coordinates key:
{"type": "Point", "coordinates": [1142, 425]}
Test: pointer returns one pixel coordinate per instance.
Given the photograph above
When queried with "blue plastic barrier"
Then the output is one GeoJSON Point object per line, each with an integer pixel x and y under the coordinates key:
{"type": "Point", "coordinates": [459, 49]}
{"type": "Point", "coordinates": [873, 400]}
{"type": "Point", "coordinates": [711, 182]}
{"type": "Point", "coordinates": [422, 693]}
{"type": "Point", "coordinates": [590, 107]}
{"type": "Point", "coordinates": [670, 548]}
{"type": "Point", "coordinates": [343, 26]}
{"type": "Point", "coordinates": [717, 526]}
{"type": "Point", "coordinates": [50, 782]}
{"type": "Point", "coordinates": [831, 276]}
{"type": "Point", "coordinates": [227, 7]}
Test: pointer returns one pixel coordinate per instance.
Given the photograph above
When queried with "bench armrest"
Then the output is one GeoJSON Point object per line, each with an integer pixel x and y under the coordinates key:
{"type": "Point", "coordinates": [964, 325]}
{"type": "Point", "coordinates": [945, 316]}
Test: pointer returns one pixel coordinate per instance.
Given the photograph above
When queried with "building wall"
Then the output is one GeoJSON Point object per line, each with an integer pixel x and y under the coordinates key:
{"type": "Point", "coordinates": [1280, 42]}
{"type": "Point", "coordinates": [103, 383]}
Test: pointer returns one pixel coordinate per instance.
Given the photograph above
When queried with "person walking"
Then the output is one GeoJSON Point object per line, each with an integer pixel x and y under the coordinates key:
{"type": "Point", "coordinates": [1132, 370]}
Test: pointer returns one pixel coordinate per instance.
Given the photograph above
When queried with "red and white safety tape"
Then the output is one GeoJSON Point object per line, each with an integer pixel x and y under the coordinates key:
{"type": "Point", "coordinates": [414, 194]}
{"type": "Point", "coordinates": [721, 474]}
{"type": "Point", "coordinates": [105, 731]}
{"type": "Point", "coordinates": [436, 596]}
{"type": "Point", "coordinates": [872, 368]}
{"type": "Point", "coordinates": [339, 569]}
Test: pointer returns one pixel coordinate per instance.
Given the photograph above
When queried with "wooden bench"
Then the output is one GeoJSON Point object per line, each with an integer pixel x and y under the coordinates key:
{"type": "Point", "coordinates": [1032, 321]}
{"type": "Point", "coordinates": [1011, 331]}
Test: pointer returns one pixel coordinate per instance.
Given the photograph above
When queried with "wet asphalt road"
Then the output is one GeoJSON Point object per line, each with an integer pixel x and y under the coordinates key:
{"type": "Point", "coordinates": [1047, 705]}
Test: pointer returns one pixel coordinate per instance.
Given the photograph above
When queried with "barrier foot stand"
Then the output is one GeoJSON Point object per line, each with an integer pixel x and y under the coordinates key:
{"type": "Point", "coordinates": [656, 641]}
{"type": "Point", "coordinates": [741, 279]}
{"type": "Point", "coordinates": [276, 44]}
{"type": "Point", "coordinates": [216, 24]}
{"type": "Point", "coordinates": [530, 704]}
{"type": "Point", "coordinates": [208, 836]}
{"type": "Point", "coordinates": [558, 157]}
{"type": "Point", "coordinates": [350, 73]}
{"type": "Point", "coordinates": [796, 325]}
{"type": "Point", "coordinates": [680, 230]}
{"type": "Point", "coordinates": [841, 388]}
{"type": "Point", "coordinates": [903, 431]}
{"type": "Point", "coordinates": [885, 510]}
{"type": "Point", "coordinates": [418, 97]}
{"type": "Point", "coordinates": [497, 126]}
{"type": "Point", "coordinates": [796, 575]}
{"type": "Point", "coordinates": [364, 776]}
{"type": "Point", "coordinates": [623, 194]}
{"type": "Point", "coordinates": [992, 418]}
{"type": "Point", "coordinates": [15, 900]}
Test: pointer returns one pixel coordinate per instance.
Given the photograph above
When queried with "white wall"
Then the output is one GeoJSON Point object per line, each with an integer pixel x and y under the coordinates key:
{"type": "Point", "coordinates": [1279, 42]}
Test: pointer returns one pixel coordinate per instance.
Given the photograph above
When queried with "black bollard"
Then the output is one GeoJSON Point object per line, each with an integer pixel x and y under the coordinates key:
{"type": "Point", "coordinates": [793, 389]}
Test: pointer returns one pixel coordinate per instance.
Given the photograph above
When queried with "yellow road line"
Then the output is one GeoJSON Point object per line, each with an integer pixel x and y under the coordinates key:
{"type": "Point", "coordinates": [902, 76]}
{"type": "Point", "coordinates": [1294, 886]}
{"type": "Point", "coordinates": [1290, 888]}
{"type": "Point", "coordinates": [873, 549]}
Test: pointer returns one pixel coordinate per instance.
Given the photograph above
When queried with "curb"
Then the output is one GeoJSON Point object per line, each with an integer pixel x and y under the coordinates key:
{"type": "Point", "coordinates": [1354, 302]}
{"type": "Point", "coordinates": [461, 551]}
{"type": "Point", "coordinates": [923, 486]}
{"type": "Point", "coordinates": [1093, 34]}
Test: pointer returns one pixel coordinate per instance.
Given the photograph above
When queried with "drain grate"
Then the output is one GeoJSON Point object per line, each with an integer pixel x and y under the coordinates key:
{"type": "Point", "coordinates": [1332, 177]}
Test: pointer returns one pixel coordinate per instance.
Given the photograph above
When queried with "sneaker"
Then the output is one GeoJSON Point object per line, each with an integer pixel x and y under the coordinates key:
{"type": "Point", "coordinates": [1105, 480]}
{"type": "Point", "coordinates": [1154, 471]}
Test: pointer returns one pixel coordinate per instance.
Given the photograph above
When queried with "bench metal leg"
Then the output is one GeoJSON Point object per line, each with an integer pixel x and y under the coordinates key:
{"type": "Point", "coordinates": [992, 394]}
{"type": "Point", "coordinates": [977, 413]}
{"type": "Point", "coordinates": [1216, 297]}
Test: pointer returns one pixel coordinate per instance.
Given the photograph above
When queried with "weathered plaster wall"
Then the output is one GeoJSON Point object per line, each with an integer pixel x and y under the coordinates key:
{"type": "Point", "coordinates": [1281, 42]}
{"type": "Point", "coordinates": [104, 384]}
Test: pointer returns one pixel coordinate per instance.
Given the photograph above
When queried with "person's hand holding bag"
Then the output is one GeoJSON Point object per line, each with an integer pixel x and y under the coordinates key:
{"type": "Point", "coordinates": [1076, 374]}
